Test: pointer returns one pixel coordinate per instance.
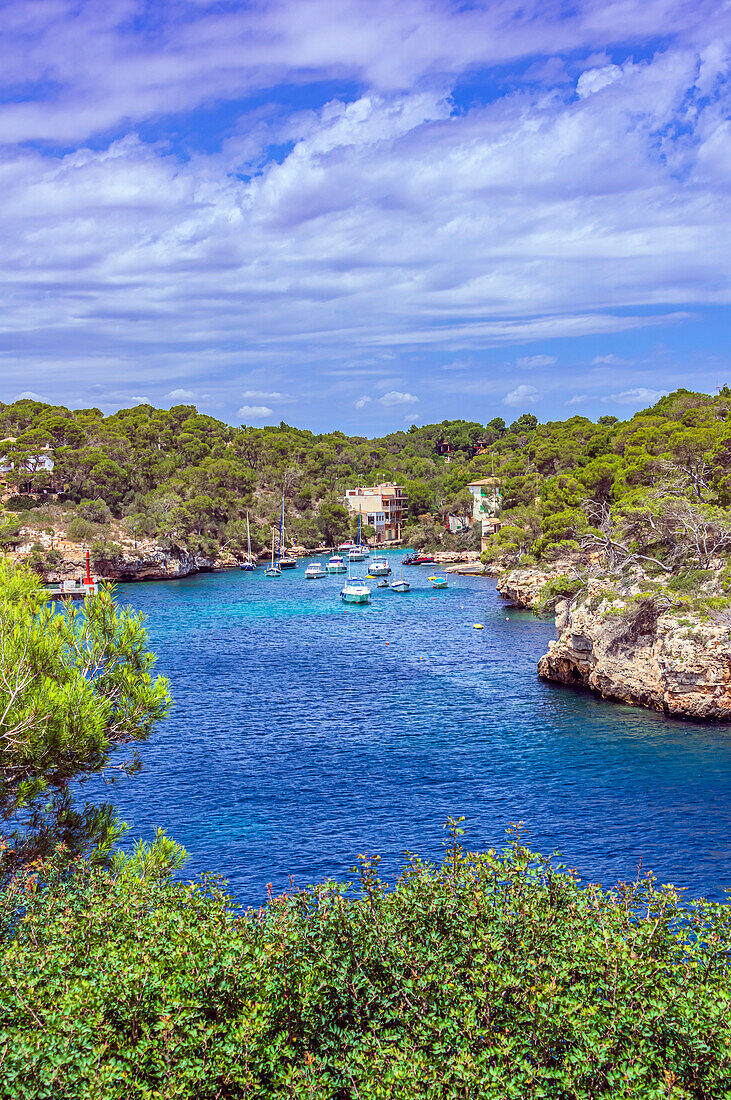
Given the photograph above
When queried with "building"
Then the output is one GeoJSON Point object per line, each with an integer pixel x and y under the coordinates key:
{"type": "Point", "coordinates": [486, 505]}
{"type": "Point", "coordinates": [382, 507]}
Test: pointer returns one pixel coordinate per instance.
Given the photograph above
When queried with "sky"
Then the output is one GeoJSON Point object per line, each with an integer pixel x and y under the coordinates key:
{"type": "Point", "coordinates": [363, 214]}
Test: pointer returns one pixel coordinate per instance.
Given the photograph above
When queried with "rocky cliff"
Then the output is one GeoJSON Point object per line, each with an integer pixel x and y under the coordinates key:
{"type": "Point", "coordinates": [637, 644]}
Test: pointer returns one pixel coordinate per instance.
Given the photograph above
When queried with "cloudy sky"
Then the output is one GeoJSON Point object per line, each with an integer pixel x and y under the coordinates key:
{"type": "Point", "coordinates": [364, 213]}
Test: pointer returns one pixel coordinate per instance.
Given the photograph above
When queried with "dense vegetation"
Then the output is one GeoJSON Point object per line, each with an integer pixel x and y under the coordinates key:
{"type": "Point", "coordinates": [493, 975]}
{"type": "Point", "coordinates": [650, 485]}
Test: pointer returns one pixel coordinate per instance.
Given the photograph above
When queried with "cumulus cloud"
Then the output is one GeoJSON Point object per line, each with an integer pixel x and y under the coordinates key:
{"type": "Point", "coordinates": [640, 395]}
{"type": "Point", "coordinates": [28, 395]}
{"type": "Point", "coordinates": [386, 220]}
{"type": "Point", "coordinates": [253, 412]}
{"type": "Point", "coordinates": [395, 397]}
{"type": "Point", "coordinates": [180, 395]}
{"type": "Point", "coordinates": [522, 395]}
{"type": "Point", "coordinates": [530, 361]}
{"type": "Point", "coordinates": [577, 399]}
{"type": "Point", "coordinates": [363, 401]}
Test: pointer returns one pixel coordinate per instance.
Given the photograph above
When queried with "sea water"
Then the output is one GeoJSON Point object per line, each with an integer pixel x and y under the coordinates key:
{"type": "Point", "coordinates": [305, 732]}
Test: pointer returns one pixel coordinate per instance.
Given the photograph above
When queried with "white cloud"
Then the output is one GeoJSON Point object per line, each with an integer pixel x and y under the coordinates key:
{"type": "Point", "coordinates": [522, 395]}
{"type": "Point", "coordinates": [577, 399]}
{"type": "Point", "coordinates": [363, 401]}
{"type": "Point", "coordinates": [253, 412]}
{"type": "Point", "coordinates": [395, 397]}
{"type": "Point", "coordinates": [530, 361]}
{"type": "Point", "coordinates": [609, 361]}
{"type": "Point", "coordinates": [263, 395]}
{"type": "Point", "coordinates": [412, 419]}
{"type": "Point", "coordinates": [593, 80]}
{"type": "Point", "coordinates": [180, 395]}
{"type": "Point", "coordinates": [640, 395]}
{"type": "Point", "coordinates": [27, 395]}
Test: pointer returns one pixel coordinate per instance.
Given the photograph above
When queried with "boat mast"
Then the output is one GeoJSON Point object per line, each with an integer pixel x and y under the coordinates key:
{"type": "Point", "coordinates": [281, 530]}
{"type": "Point", "coordinates": [248, 539]}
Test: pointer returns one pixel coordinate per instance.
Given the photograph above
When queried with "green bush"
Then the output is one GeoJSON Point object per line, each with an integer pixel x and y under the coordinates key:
{"type": "Point", "coordinates": [689, 581]}
{"type": "Point", "coordinates": [81, 530]}
{"type": "Point", "coordinates": [488, 976]}
{"type": "Point", "coordinates": [558, 588]}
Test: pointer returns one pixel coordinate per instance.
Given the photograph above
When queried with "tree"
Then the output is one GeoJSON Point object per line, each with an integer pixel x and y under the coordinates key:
{"type": "Point", "coordinates": [332, 521]}
{"type": "Point", "coordinates": [74, 687]}
{"type": "Point", "coordinates": [421, 498]}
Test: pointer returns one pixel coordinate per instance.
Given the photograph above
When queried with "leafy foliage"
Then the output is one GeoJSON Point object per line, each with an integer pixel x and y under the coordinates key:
{"type": "Point", "coordinates": [74, 686]}
{"type": "Point", "coordinates": [494, 975]}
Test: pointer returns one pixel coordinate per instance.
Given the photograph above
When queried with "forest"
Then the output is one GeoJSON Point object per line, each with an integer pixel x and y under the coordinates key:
{"type": "Point", "coordinates": [656, 486]}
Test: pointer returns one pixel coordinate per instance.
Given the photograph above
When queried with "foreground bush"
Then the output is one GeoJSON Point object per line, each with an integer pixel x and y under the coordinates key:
{"type": "Point", "coordinates": [489, 976]}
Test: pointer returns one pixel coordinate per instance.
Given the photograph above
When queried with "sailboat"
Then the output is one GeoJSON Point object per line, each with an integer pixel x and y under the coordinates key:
{"type": "Point", "coordinates": [286, 561]}
{"type": "Point", "coordinates": [358, 552]}
{"type": "Point", "coordinates": [402, 585]}
{"type": "Point", "coordinates": [274, 570]}
{"type": "Point", "coordinates": [249, 562]}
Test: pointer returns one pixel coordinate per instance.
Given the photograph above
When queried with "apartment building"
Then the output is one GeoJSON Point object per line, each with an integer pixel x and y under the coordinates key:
{"type": "Point", "coordinates": [382, 507]}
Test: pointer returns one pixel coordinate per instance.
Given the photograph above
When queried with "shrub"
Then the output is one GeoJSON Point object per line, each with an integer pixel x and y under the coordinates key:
{"type": "Point", "coordinates": [80, 530]}
{"type": "Point", "coordinates": [689, 581]}
{"type": "Point", "coordinates": [558, 588]}
{"type": "Point", "coordinates": [492, 976]}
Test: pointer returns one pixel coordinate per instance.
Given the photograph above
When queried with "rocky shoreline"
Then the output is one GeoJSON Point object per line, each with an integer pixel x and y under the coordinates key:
{"type": "Point", "coordinates": [635, 642]}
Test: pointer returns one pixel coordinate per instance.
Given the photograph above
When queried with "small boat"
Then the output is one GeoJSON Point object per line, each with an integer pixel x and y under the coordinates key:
{"type": "Point", "coordinates": [402, 585]}
{"type": "Point", "coordinates": [410, 559]}
{"type": "Point", "coordinates": [358, 554]}
{"type": "Point", "coordinates": [379, 567]}
{"type": "Point", "coordinates": [355, 591]}
{"type": "Point", "coordinates": [438, 582]}
{"type": "Point", "coordinates": [273, 570]}
{"type": "Point", "coordinates": [249, 562]}
{"type": "Point", "coordinates": [314, 571]}
{"type": "Point", "coordinates": [383, 583]}
{"type": "Point", "coordinates": [346, 547]}
{"type": "Point", "coordinates": [336, 564]}
{"type": "Point", "coordinates": [288, 562]}
{"type": "Point", "coordinates": [424, 559]}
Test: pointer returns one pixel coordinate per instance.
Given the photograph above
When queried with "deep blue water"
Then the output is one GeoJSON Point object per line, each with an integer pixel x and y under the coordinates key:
{"type": "Point", "coordinates": [302, 735]}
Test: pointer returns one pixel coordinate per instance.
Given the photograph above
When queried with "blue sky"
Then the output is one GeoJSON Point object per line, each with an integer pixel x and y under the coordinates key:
{"type": "Point", "coordinates": [363, 215]}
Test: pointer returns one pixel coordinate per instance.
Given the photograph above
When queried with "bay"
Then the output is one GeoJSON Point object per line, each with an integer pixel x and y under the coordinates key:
{"type": "Point", "coordinates": [304, 733]}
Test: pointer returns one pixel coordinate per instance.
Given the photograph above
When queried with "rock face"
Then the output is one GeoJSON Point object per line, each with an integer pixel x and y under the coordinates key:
{"type": "Point", "coordinates": [634, 648]}
{"type": "Point", "coordinates": [649, 660]}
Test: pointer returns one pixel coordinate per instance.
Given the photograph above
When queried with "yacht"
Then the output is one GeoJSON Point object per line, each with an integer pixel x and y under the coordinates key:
{"type": "Point", "coordinates": [379, 567]}
{"type": "Point", "coordinates": [314, 571]}
{"type": "Point", "coordinates": [355, 591]}
{"type": "Point", "coordinates": [249, 562]}
{"type": "Point", "coordinates": [336, 564]}
{"type": "Point", "coordinates": [288, 562]}
{"type": "Point", "coordinates": [358, 553]}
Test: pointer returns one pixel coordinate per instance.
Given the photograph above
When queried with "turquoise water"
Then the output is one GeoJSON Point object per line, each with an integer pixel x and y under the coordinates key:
{"type": "Point", "coordinates": [303, 735]}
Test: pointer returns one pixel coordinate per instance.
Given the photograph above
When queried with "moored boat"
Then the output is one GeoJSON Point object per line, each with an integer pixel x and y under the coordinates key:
{"type": "Point", "coordinates": [379, 567]}
{"type": "Point", "coordinates": [438, 581]}
{"type": "Point", "coordinates": [315, 571]}
{"type": "Point", "coordinates": [288, 562]}
{"type": "Point", "coordinates": [249, 562]}
{"type": "Point", "coordinates": [355, 591]}
{"type": "Point", "coordinates": [401, 585]}
{"type": "Point", "coordinates": [336, 564]}
{"type": "Point", "coordinates": [274, 570]}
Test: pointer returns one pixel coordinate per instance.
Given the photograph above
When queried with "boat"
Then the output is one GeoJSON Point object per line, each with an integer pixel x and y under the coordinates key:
{"type": "Point", "coordinates": [336, 564]}
{"type": "Point", "coordinates": [287, 561]}
{"type": "Point", "coordinates": [249, 562]}
{"type": "Point", "coordinates": [379, 567]}
{"type": "Point", "coordinates": [438, 582]}
{"type": "Point", "coordinates": [418, 559]}
{"type": "Point", "coordinates": [402, 585]}
{"type": "Point", "coordinates": [77, 588]}
{"type": "Point", "coordinates": [346, 547]}
{"type": "Point", "coordinates": [383, 583]}
{"type": "Point", "coordinates": [359, 552]}
{"type": "Point", "coordinates": [355, 591]}
{"type": "Point", "coordinates": [314, 571]}
{"type": "Point", "coordinates": [274, 570]}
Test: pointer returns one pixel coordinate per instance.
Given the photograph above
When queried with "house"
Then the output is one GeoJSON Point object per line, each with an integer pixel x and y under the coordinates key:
{"type": "Point", "coordinates": [486, 505]}
{"type": "Point", "coordinates": [382, 507]}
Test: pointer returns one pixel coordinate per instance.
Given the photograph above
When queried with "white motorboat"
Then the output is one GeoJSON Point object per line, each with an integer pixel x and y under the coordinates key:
{"type": "Point", "coordinates": [438, 581]}
{"type": "Point", "coordinates": [336, 564]}
{"type": "Point", "coordinates": [315, 571]}
{"type": "Point", "coordinates": [379, 567]}
{"type": "Point", "coordinates": [358, 554]}
{"type": "Point", "coordinates": [355, 591]}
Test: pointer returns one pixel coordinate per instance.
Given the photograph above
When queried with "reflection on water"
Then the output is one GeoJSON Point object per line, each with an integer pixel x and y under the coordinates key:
{"type": "Point", "coordinates": [303, 734]}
